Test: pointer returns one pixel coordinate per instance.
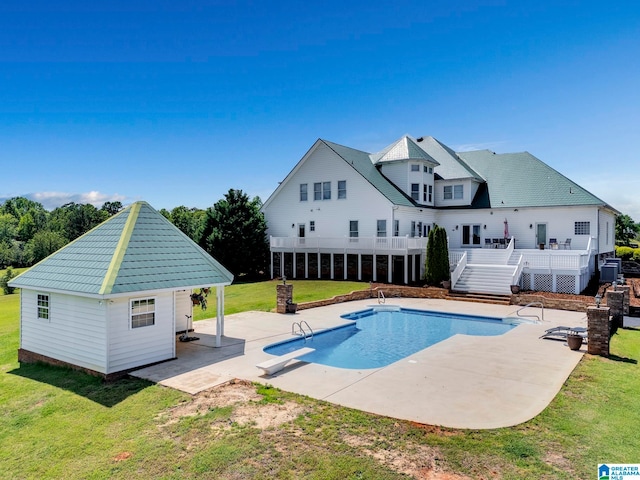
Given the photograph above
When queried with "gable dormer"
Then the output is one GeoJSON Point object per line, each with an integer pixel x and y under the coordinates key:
{"type": "Point", "coordinates": [410, 168]}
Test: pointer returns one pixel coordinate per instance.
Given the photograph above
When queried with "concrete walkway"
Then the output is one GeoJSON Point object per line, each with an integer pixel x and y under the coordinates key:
{"type": "Point", "coordinates": [462, 382]}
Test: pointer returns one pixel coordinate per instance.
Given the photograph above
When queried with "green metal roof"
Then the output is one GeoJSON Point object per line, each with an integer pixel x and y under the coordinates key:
{"type": "Point", "coordinates": [404, 149]}
{"type": "Point", "coordinates": [136, 250]}
{"type": "Point", "coordinates": [522, 180]}
{"type": "Point", "coordinates": [361, 161]}
{"type": "Point", "coordinates": [451, 167]}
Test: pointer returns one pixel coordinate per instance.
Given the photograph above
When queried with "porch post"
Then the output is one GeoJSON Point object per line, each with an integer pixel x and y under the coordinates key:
{"type": "Point", "coordinates": [331, 267]}
{"type": "Point", "coordinates": [306, 265]}
{"type": "Point", "coordinates": [390, 268]}
{"type": "Point", "coordinates": [282, 264]}
{"type": "Point", "coordinates": [293, 261]}
{"type": "Point", "coordinates": [319, 266]}
{"type": "Point", "coordinates": [375, 268]}
{"type": "Point", "coordinates": [346, 266]}
{"type": "Point", "coordinates": [219, 314]}
{"type": "Point", "coordinates": [271, 262]}
{"type": "Point", "coordinates": [406, 269]}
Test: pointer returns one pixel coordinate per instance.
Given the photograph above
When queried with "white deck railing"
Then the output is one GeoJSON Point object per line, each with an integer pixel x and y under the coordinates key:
{"type": "Point", "coordinates": [372, 244]}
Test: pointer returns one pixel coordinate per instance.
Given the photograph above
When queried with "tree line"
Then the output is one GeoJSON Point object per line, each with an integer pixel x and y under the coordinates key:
{"type": "Point", "coordinates": [233, 230]}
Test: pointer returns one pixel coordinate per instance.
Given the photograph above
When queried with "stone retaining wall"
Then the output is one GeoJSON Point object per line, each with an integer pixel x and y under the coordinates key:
{"type": "Point", "coordinates": [391, 291]}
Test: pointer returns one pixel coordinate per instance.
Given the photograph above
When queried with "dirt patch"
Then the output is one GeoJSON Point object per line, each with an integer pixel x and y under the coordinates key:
{"type": "Point", "coordinates": [417, 461]}
{"type": "Point", "coordinates": [243, 397]}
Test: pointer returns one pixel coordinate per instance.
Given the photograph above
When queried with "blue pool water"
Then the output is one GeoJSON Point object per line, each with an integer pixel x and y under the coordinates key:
{"type": "Point", "coordinates": [380, 336]}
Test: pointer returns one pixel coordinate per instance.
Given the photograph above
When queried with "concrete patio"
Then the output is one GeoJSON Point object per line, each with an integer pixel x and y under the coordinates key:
{"type": "Point", "coordinates": [462, 382]}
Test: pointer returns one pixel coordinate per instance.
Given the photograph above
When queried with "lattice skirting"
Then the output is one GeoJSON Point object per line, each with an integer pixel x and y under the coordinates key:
{"type": "Point", "coordinates": [545, 282]}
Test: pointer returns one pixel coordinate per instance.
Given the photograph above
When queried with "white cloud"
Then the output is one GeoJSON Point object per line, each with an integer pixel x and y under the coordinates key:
{"type": "Point", "coordinates": [51, 200]}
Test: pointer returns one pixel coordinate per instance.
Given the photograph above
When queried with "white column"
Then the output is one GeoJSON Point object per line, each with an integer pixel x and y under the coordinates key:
{"type": "Point", "coordinates": [360, 266]}
{"type": "Point", "coordinates": [219, 315]}
{"type": "Point", "coordinates": [345, 266]}
{"type": "Point", "coordinates": [406, 269]}
{"type": "Point", "coordinates": [331, 276]}
{"type": "Point", "coordinates": [390, 268]}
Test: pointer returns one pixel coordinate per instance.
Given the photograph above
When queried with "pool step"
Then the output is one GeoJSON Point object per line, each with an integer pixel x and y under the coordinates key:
{"type": "Point", "coordinates": [480, 297]}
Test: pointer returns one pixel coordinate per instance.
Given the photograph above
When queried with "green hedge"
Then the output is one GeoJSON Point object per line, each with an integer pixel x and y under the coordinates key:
{"type": "Point", "coordinates": [628, 253]}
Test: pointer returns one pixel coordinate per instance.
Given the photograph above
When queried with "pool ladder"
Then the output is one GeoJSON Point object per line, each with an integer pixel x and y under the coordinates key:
{"type": "Point", "coordinates": [301, 332]}
{"type": "Point", "coordinates": [532, 304]}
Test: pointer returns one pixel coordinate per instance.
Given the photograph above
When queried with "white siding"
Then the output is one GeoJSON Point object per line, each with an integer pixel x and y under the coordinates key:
{"type": "Point", "coordinates": [401, 175]}
{"type": "Point", "coordinates": [129, 348]}
{"type": "Point", "coordinates": [183, 307]}
{"type": "Point", "coordinates": [75, 332]}
{"type": "Point", "coordinates": [560, 223]}
{"type": "Point", "coordinates": [363, 203]}
{"type": "Point", "coordinates": [469, 189]}
{"type": "Point", "coordinates": [607, 232]}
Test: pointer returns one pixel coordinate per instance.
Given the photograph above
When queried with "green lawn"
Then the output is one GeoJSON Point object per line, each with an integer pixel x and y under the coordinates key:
{"type": "Point", "coordinates": [56, 423]}
{"type": "Point", "coordinates": [261, 296]}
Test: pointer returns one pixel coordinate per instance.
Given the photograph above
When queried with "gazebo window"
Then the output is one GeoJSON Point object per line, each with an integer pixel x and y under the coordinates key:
{"type": "Point", "coordinates": [43, 306]}
{"type": "Point", "coordinates": [143, 312]}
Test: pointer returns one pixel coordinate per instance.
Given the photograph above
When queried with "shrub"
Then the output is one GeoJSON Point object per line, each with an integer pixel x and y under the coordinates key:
{"type": "Point", "coordinates": [437, 263]}
{"type": "Point", "coordinates": [625, 253]}
{"type": "Point", "coordinates": [4, 281]}
{"type": "Point", "coordinates": [636, 254]}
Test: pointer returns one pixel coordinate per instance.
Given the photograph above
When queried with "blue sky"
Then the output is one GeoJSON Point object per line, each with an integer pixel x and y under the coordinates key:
{"type": "Point", "coordinates": [176, 102]}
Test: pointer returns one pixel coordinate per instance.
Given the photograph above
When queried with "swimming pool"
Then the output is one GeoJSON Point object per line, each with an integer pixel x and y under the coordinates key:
{"type": "Point", "coordinates": [379, 336]}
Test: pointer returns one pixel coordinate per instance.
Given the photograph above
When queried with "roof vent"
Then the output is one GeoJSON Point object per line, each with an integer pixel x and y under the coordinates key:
{"type": "Point", "coordinates": [419, 139]}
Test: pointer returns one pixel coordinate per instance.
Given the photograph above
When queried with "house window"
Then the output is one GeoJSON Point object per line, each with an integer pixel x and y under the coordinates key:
{"type": "Point", "coordinates": [43, 306]}
{"type": "Point", "coordinates": [303, 192]}
{"type": "Point", "coordinates": [382, 228]}
{"type": "Point", "coordinates": [582, 228]}
{"type": "Point", "coordinates": [396, 228]}
{"type": "Point", "coordinates": [353, 228]}
{"type": "Point", "coordinates": [424, 192]}
{"type": "Point", "coordinates": [453, 192]}
{"type": "Point", "coordinates": [143, 312]}
{"type": "Point", "coordinates": [430, 196]}
{"type": "Point", "coordinates": [312, 225]}
{"type": "Point", "coordinates": [415, 191]}
{"type": "Point", "coordinates": [326, 191]}
{"type": "Point", "coordinates": [342, 189]}
{"type": "Point", "coordinates": [317, 191]}
{"type": "Point", "coordinates": [426, 169]}
{"type": "Point", "coordinates": [415, 168]}
{"type": "Point", "coordinates": [413, 229]}
{"type": "Point", "coordinates": [430, 169]}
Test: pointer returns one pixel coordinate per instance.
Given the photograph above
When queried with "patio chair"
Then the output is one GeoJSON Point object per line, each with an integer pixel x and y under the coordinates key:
{"type": "Point", "coordinates": [566, 244]}
{"type": "Point", "coordinates": [561, 332]}
{"type": "Point", "coordinates": [553, 243]}
{"type": "Point", "coordinates": [487, 243]}
{"type": "Point", "coordinates": [496, 242]}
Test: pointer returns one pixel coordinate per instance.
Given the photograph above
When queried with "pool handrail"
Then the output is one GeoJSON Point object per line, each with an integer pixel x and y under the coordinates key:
{"type": "Point", "coordinates": [539, 304]}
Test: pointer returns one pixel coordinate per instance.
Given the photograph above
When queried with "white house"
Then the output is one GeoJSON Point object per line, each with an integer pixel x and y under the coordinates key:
{"type": "Point", "coordinates": [113, 299]}
{"type": "Point", "coordinates": [342, 213]}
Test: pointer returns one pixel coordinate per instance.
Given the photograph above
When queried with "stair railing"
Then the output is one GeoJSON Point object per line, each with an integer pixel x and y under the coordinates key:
{"type": "Point", "coordinates": [455, 275]}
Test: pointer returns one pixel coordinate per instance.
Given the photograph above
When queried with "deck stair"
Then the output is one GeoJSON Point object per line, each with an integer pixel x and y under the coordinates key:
{"type": "Point", "coordinates": [488, 271]}
{"type": "Point", "coordinates": [480, 298]}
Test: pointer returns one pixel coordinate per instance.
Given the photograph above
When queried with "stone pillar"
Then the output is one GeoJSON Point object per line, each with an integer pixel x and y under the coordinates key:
{"type": "Point", "coordinates": [615, 300]}
{"type": "Point", "coordinates": [626, 290]}
{"type": "Point", "coordinates": [284, 297]}
{"type": "Point", "coordinates": [599, 330]}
